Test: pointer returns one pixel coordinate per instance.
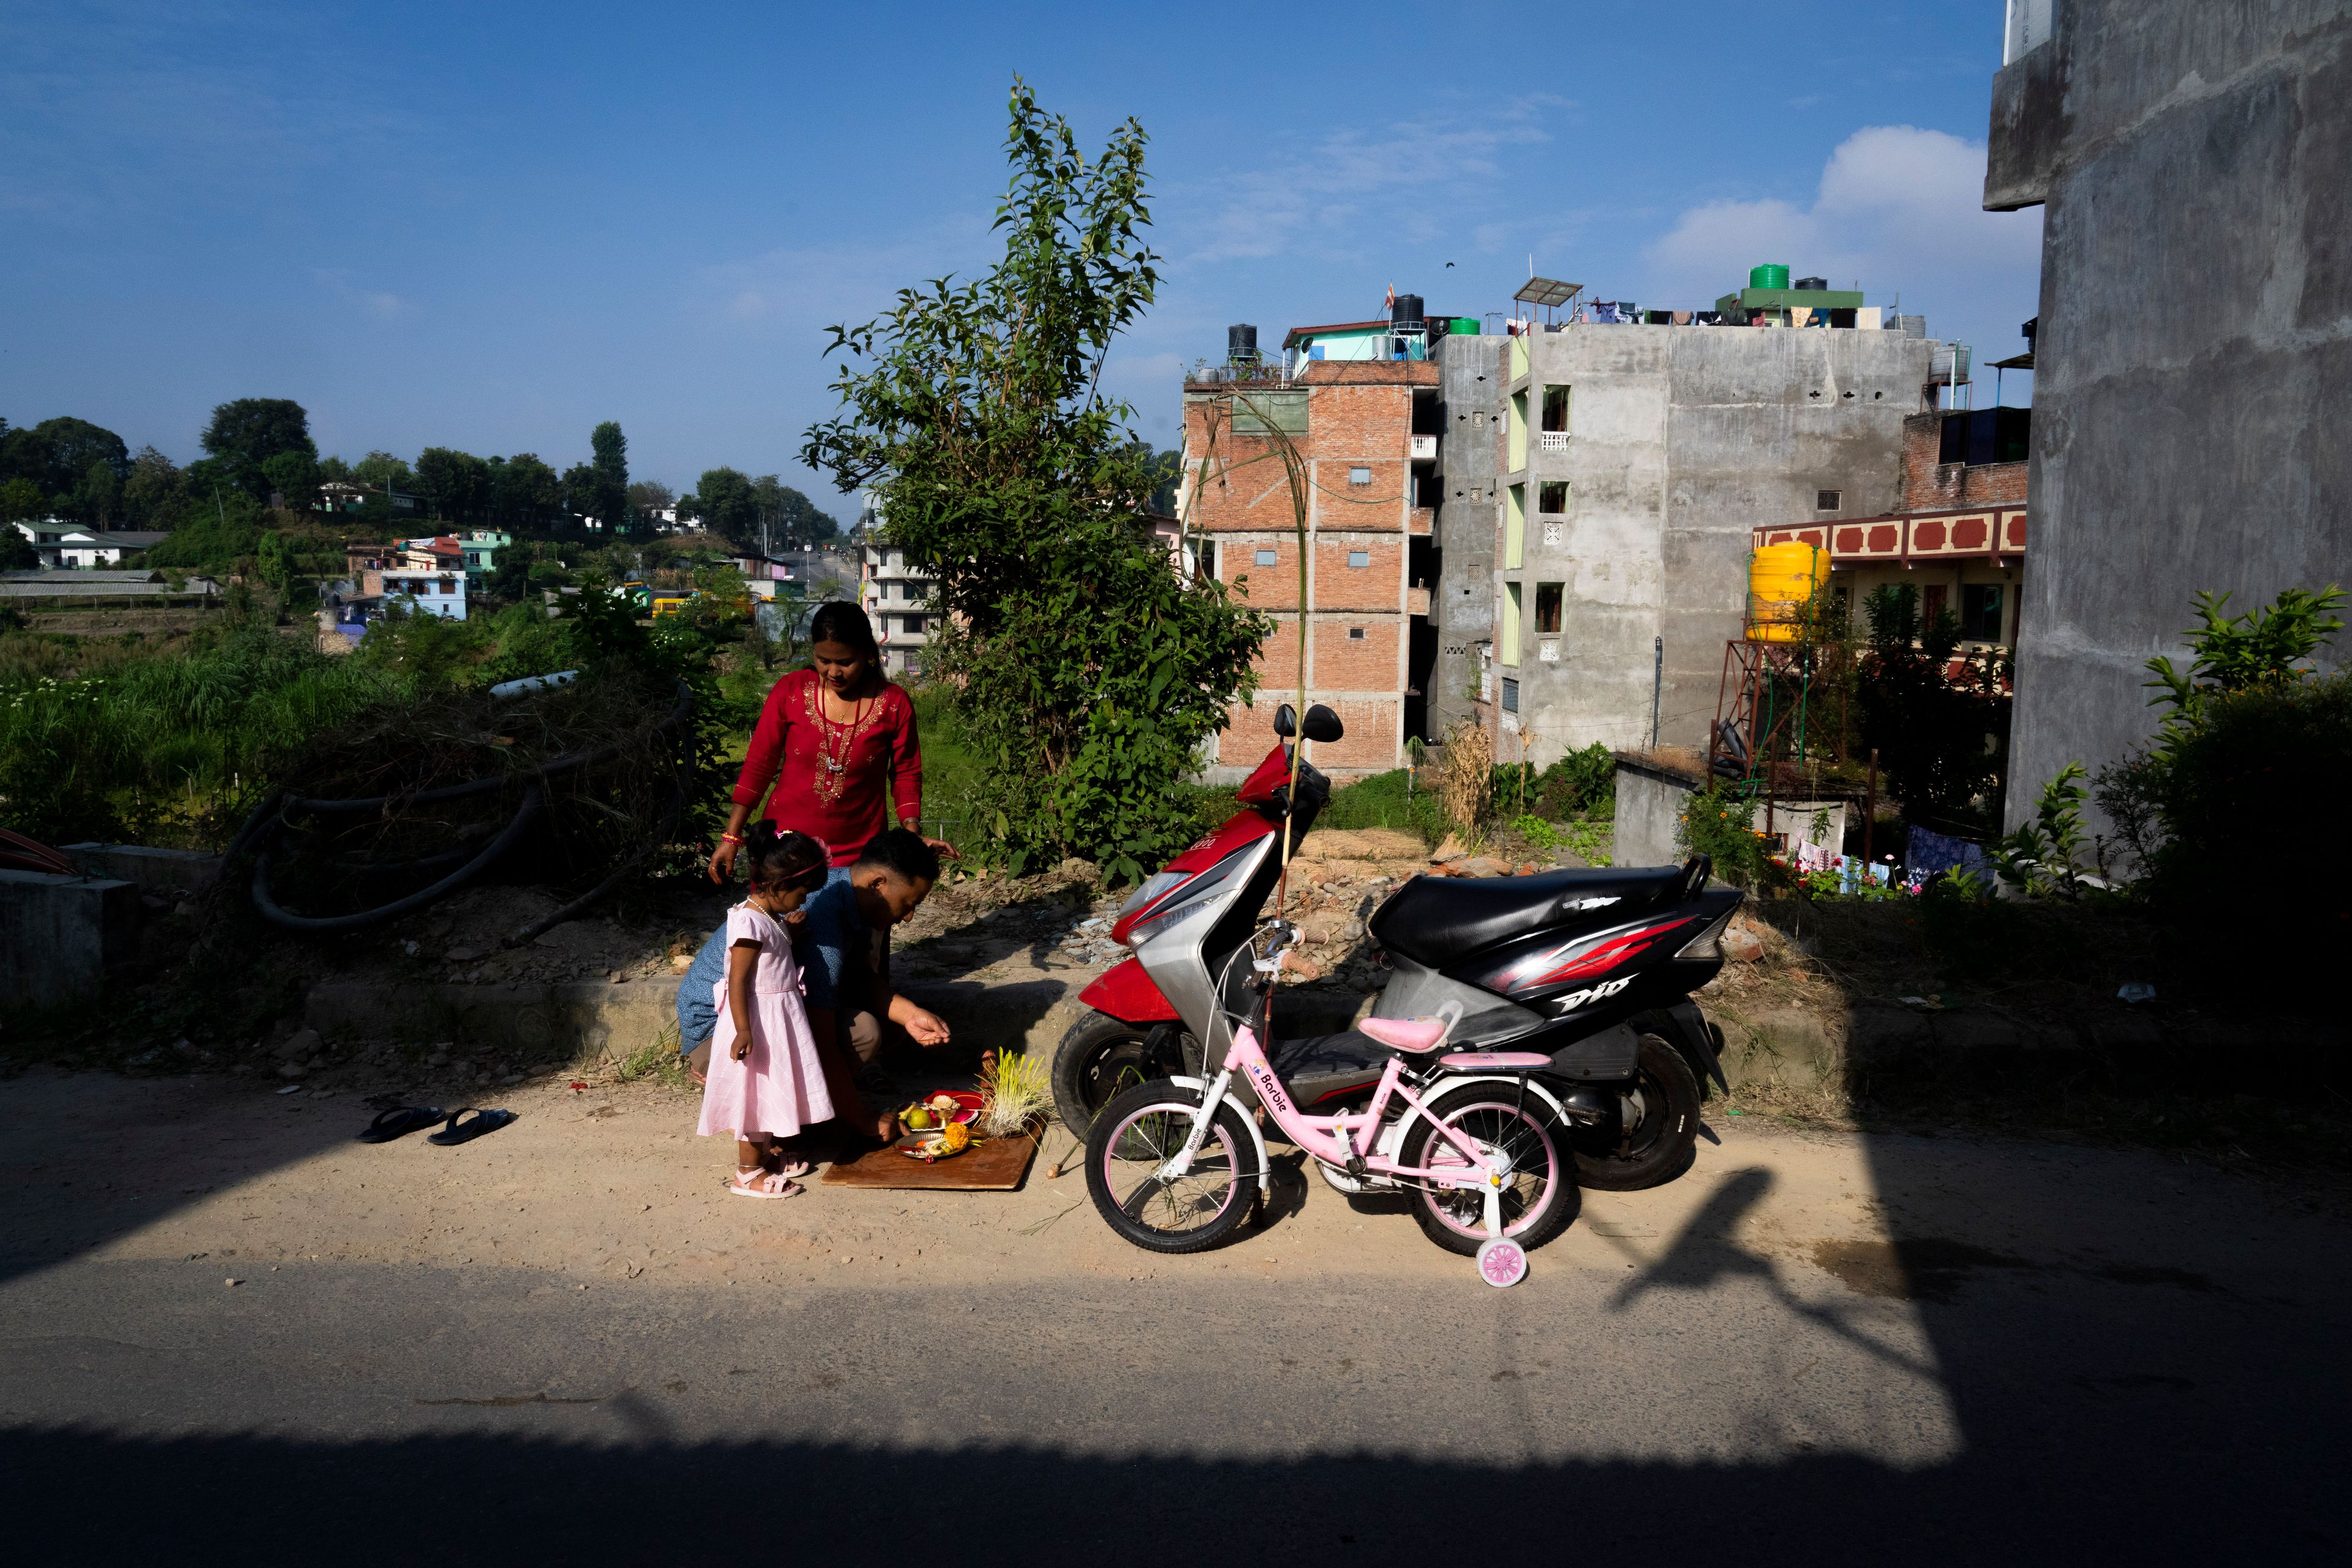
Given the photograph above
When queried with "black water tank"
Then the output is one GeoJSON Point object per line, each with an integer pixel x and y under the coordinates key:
{"type": "Point", "coordinates": [1813, 283]}
{"type": "Point", "coordinates": [1406, 312]}
{"type": "Point", "coordinates": [1241, 343]}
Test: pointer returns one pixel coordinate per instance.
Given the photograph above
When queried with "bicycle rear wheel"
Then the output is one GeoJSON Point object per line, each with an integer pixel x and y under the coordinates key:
{"type": "Point", "coordinates": [1135, 1135]}
{"type": "Point", "coordinates": [1537, 1199]}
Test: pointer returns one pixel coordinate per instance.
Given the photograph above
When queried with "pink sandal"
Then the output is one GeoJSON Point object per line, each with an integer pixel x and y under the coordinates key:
{"type": "Point", "coordinates": [757, 1182]}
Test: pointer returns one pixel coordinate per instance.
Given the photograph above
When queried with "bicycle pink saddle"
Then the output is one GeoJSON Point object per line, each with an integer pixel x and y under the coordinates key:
{"type": "Point", "coordinates": [1497, 1061]}
{"type": "Point", "coordinates": [1415, 1035]}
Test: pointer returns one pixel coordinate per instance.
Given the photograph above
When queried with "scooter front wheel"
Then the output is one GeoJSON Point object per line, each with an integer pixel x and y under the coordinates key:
{"type": "Point", "coordinates": [1135, 1137]}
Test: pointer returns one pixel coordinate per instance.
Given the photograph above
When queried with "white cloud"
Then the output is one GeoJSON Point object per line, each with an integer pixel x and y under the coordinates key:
{"type": "Point", "coordinates": [381, 303]}
{"type": "Point", "coordinates": [1898, 210]}
{"type": "Point", "coordinates": [801, 289]}
{"type": "Point", "coordinates": [1309, 202]}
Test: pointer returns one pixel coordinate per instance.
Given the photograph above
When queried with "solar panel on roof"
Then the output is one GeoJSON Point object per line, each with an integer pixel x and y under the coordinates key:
{"type": "Point", "coordinates": [1549, 291]}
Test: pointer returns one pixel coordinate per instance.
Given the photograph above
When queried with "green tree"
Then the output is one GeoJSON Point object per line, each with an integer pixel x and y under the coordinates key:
{"type": "Point", "coordinates": [583, 488]}
{"type": "Point", "coordinates": [1939, 736]}
{"type": "Point", "coordinates": [276, 555]}
{"type": "Point", "coordinates": [526, 492]}
{"type": "Point", "coordinates": [246, 433]}
{"type": "Point", "coordinates": [21, 502]}
{"type": "Point", "coordinates": [1086, 671]}
{"type": "Point", "coordinates": [219, 533]}
{"type": "Point", "coordinates": [294, 476]}
{"type": "Point", "coordinates": [16, 551]}
{"type": "Point", "coordinates": [727, 505]}
{"type": "Point", "coordinates": [155, 497]}
{"type": "Point", "coordinates": [62, 455]}
{"type": "Point", "coordinates": [790, 518]}
{"type": "Point", "coordinates": [611, 461]}
{"type": "Point", "coordinates": [383, 471]}
{"type": "Point", "coordinates": [650, 496]}
{"type": "Point", "coordinates": [98, 498]}
{"type": "Point", "coordinates": [457, 485]}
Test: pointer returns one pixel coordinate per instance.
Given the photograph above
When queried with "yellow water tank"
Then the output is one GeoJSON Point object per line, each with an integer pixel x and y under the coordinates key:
{"type": "Point", "coordinates": [1782, 580]}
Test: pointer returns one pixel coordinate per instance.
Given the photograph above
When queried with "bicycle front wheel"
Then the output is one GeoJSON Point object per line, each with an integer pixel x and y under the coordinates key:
{"type": "Point", "coordinates": [1134, 1137]}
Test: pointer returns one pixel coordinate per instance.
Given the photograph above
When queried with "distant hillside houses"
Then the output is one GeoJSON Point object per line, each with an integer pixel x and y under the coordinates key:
{"type": "Point", "coordinates": [64, 546]}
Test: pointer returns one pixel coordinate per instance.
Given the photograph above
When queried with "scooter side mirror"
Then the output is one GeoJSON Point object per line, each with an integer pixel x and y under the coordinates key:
{"type": "Point", "coordinates": [1323, 724]}
{"type": "Point", "coordinates": [1285, 720]}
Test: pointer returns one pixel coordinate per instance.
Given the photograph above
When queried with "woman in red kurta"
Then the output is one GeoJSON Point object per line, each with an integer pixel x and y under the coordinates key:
{"type": "Point", "coordinates": [838, 741]}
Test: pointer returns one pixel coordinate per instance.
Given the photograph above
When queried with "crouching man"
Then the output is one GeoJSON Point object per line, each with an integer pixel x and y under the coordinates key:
{"type": "Point", "coordinates": [843, 942]}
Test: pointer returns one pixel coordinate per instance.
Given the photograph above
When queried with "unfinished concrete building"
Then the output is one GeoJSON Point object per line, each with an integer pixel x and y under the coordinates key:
{"type": "Point", "coordinates": [1635, 460]}
{"type": "Point", "coordinates": [1463, 532]}
{"type": "Point", "coordinates": [2194, 342]}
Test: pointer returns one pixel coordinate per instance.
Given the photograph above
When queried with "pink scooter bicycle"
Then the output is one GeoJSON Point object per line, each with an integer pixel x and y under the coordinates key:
{"type": "Point", "coordinates": [1170, 1163]}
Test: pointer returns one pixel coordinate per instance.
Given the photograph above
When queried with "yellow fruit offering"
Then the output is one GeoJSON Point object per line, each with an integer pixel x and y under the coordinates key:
{"type": "Point", "coordinates": [916, 1119]}
{"type": "Point", "coordinates": [955, 1138]}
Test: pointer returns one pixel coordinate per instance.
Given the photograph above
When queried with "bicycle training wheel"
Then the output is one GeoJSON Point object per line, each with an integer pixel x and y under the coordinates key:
{"type": "Point", "coordinates": [1134, 1135]}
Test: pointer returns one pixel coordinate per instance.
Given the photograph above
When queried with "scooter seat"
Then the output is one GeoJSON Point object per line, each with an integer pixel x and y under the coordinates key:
{"type": "Point", "coordinates": [1438, 921]}
{"type": "Point", "coordinates": [1493, 1061]}
{"type": "Point", "coordinates": [1418, 1036]}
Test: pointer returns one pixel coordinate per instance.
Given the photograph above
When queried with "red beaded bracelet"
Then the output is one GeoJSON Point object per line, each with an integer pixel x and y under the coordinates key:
{"type": "Point", "coordinates": [729, 838]}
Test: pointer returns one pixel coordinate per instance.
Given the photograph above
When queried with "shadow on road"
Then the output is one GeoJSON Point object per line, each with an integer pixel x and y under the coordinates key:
{"type": "Point", "coordinates": [484, 1499]}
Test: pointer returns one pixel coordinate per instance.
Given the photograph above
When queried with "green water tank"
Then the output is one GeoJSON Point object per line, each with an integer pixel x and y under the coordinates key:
{"type": "Point", "coordinates": [1468, 326]}
{"type": "Point", "coordinates": [1769, 276]}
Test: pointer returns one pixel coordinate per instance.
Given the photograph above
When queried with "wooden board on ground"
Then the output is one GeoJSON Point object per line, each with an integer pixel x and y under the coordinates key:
{"type": "Point", "coordinates": [996, 1165]}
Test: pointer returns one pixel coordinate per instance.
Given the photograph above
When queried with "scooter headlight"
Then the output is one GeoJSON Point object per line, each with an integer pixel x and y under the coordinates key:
{"type": "Point", "coordinates": [1154, 886]}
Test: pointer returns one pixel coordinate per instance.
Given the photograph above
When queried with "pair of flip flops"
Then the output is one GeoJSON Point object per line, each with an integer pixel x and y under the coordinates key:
{"type": "Point", "coordinates": [402, 1119]}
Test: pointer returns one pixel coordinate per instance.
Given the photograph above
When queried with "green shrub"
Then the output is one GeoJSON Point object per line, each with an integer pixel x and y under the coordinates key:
{"type": "Point", "coordinates": [1383, 800]}
{"type": "Point", "coordinates": [1581, 784]}
{"type": "Point", "coordinates": [2258, 766]}
{"type": "Point", "coordinates": [1720, 823]}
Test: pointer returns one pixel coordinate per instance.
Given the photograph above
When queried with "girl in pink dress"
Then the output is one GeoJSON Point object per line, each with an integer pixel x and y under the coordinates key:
{"type": "Point", "coordinates": [766, 1082]}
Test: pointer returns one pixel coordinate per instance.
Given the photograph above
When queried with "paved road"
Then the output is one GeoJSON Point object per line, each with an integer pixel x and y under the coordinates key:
{"type": "Point", "coordinates": [562, 1344]}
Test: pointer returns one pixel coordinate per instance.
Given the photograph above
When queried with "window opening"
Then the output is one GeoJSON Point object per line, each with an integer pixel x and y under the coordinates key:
{"type": "Point", "coordinates": [1265, 557]}
{"type": "Point", "coordinates": [1555, 409]}
{"type": "Point", "coordinates": [1551, 495]}
{"type": "Point", "coordinates": [1360, 558]}
{"type": "Point", "coordinates": [1980, 605]}
{"type": "Point", "coordinates": [1548, 597]}
{"type": "Point", "coordinates": [1510, 694]}
{"type": "Point", "coordinates": [1828, 501]}
{"type": "Point", "coordinates": [1359, 476]}
{"type": "Point", "coordinates": [1355, 633]}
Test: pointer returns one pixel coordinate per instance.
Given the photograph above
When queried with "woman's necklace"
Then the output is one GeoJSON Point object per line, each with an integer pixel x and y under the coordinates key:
{"type": "Point", "coordinates": [835, 740]}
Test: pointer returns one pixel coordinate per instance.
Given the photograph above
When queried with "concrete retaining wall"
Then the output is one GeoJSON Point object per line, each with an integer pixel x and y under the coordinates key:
{"type": "Point", "coordinates": [587, 1020]}
{"type": "Point", "coordinates": [1650, 806]}
{"type": "Point", "coordinates": [155, 870]}
{"type": "Point", "coordinates": [58, 934]}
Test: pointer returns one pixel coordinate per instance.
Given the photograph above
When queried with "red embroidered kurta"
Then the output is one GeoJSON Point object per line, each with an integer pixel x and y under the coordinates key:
{"type": "Point", "coordinates": [878, 752]}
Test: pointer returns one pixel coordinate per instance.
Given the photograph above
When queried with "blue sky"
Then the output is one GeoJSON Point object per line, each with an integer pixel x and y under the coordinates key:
{"type": "Point", "coordinates": [490, 227]}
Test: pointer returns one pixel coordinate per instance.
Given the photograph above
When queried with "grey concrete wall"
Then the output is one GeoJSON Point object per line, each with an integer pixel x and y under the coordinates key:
{"type": "Point", "coordinates": [1649, 810]}
{"type": "Point", "coordinates": [1650, 807]}
{"type": "Point", "coordinates": [1681, 440]}
{"type": "Point", "coordinates": [2195, 353]}
{"type": "Point", "coordinates": [58, 934]}
{"type": "Point", "coordinates": [1462, 601]}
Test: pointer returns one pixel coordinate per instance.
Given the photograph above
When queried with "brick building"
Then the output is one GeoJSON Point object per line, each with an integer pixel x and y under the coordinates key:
{"type": "Point", "coordinates": [1959, 537]}
{"type": "Point", "coordinates": [1366, 430]}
